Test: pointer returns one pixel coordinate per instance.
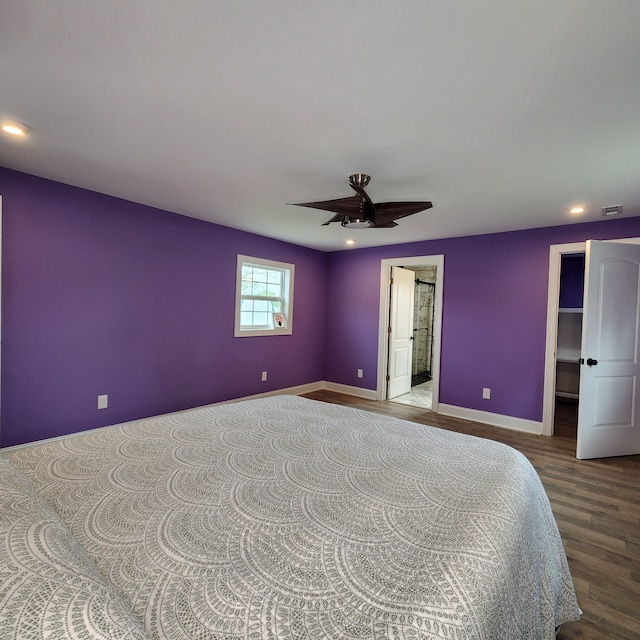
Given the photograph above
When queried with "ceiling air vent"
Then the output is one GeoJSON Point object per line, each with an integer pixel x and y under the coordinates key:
{"type": "Point", "coordinates": [613, 210]}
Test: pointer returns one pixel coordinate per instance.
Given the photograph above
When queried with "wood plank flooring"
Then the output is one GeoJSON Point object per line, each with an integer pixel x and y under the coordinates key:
{"type": "Point", "coordinates": [596, 504]}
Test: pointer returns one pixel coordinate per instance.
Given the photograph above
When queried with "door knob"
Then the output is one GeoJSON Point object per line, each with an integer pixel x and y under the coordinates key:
{"type": "Point", "coordinates": [591, 362]}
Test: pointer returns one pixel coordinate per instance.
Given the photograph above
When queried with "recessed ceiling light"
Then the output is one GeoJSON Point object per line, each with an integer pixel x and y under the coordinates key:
{"type": "Point", "coordinates": [14, 128]}
{"type": "Point", "coordinates": [351, 241]}
{"type": "Point", "coordinates": [577, 210]}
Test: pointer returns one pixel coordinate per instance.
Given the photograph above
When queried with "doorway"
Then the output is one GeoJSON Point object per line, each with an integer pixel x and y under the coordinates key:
{"type": "Point", "coordinates": [424, 285]}
{"type": "Point", "coordinates": [426, 313]}
{"type": "Point", "coordinates": [556, 254]}
{"type": "Point", "coordinates": [569, 344]}
{"type": "Point", "coordinates": [553, 311]}
{"type": "Point", "coordinates": [0, 305]}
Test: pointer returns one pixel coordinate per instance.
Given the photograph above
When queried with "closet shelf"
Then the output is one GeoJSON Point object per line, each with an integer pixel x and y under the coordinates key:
{"type": "Point", "coordinates": [568, 355]}
{"type": "Point", "coordinates": [568, 350]}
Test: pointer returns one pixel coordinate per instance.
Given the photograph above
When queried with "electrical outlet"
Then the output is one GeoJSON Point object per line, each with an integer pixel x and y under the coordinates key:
{"type": "Point", "coordinates": [486, 393]}
{"type": "Point", "coordinates": [103, 402]}
{"type": "Point", "coordinates": [360, 373]}
{"type": "Point", "coordinates": [264, 376]}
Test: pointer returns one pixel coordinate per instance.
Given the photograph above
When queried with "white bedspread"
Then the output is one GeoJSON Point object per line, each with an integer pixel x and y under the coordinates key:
{"type": "Point", "coordinates": [284, 518]}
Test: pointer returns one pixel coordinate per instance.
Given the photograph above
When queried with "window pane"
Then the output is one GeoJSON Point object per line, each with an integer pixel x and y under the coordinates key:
{"type": "Point", "coordinates": [246, 319]}
{"type": "Point", "coordinates": [259, 289]}
{"type": "Point", "coordinates": [247, 281]}
{"type": "Point", "coordinates": [259, 275]}
{"type": "Point", "coordinates": [261, 319]}
{"type": "Point", "coordinates": [273, 290]}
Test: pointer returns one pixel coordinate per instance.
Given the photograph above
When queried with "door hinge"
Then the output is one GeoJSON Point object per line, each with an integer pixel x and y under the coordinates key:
{"type": "Point", "coordinates": [388, 377]}
{"type": "Point", "coordinates": [389, 329]}
{"type": "Point", "coordinates": [390, 280]}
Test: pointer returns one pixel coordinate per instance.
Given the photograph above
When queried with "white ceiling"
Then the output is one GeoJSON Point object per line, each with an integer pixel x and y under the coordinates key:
{"type": "Point", "coordinates": [504, 113]}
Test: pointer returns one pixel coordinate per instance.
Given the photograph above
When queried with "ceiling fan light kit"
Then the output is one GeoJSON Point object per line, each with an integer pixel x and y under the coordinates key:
{"type": "Point", "coordinates": [356, 223]}
{"type": "Point", "coordinates": [359, 212]}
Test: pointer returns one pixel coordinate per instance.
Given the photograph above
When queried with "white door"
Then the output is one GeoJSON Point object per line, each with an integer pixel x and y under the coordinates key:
{"type": "Point", "coordinates": [401, 331]}
{"type": "Point", "coordinates": [608, 415]}
{"type": "Point", "coordinates": [0, 299]}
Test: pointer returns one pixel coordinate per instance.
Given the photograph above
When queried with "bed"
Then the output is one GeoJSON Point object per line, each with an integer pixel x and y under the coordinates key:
{"type": "Point", "coordinates": [277, 518]}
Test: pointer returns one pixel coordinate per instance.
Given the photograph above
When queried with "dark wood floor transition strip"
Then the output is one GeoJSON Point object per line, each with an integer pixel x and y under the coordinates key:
{"type": "Point", "coordinates": [596, 504]}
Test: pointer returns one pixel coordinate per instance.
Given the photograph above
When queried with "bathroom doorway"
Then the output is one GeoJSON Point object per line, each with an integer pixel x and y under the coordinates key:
{"type": "Point", "coordinates": [425, 311]}
{"type": "Point", "coordinates": [420, 394]}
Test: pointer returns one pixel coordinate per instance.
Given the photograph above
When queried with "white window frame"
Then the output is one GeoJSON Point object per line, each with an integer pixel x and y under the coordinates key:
{"type": "Point", "coordinates": [272, 330]}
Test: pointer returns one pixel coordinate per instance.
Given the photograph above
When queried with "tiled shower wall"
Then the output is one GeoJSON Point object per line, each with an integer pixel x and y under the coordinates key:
{"type": "Point", "coordinates": [423, 321]}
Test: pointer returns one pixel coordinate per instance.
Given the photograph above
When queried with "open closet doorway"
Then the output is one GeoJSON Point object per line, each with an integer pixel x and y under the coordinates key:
{"type": "Point", "coordinates": [569, 344]}
{"type": "Point", "coordinates": [593, 350]}
{"type": "Point", "coordinates": [0, 305]}
{"type": "Point", "coordinates": [410, 330]}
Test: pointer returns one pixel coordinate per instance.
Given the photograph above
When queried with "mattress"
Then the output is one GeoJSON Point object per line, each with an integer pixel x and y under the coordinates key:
{"type": "Point", "coordinates": [282, 518]}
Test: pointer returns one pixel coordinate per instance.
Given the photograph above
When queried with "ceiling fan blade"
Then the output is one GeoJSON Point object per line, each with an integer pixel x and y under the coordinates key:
{"type": "Point", "coordinates": [384, 225]}
{"type": "Point", "coordinates": [402, 209]}
{"type": "Point", "coordinates": [387, 211]}
{"type": "Point", "coordinates": [346, 206]}
{"type": "Point", "coordinates": [339, 217]}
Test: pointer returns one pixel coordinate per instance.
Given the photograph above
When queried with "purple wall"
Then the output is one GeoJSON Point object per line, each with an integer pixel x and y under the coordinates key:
{"type": "Point", "coordinates": [103, 296]}
{"type": "Point", "coordinates": [494, 313]}
{"type": "Point", "coordinates": [572, 281]}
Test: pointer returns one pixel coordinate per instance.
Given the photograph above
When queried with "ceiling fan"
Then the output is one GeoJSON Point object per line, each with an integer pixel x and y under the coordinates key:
{"type": "Point", "coordinates": [359, 212]}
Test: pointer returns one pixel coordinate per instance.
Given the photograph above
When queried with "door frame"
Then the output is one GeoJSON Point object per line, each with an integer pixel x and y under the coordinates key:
{"type": "Point", "coordinates": [383, 321]}
{"type": "Point", "coordinates": [0, 312]}
{"type": "Point", "coordinates": [556, 251]}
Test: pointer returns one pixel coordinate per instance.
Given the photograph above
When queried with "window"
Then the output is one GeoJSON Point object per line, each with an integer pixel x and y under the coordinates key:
{"type": "Point", "coordinates": [264, 297]}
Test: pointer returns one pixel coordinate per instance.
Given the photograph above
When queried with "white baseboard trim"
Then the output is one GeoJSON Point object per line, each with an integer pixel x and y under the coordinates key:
{"type": "Point", "coordinates": [493, 419]}
{"type": "Point", "coordinates": [359, 392]}
{"type": "Point", "coordinates": [289, 391]}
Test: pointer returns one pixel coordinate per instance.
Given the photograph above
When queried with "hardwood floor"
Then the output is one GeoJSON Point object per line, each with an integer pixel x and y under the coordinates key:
{"type": "Point", "coordinates": [596, 504]}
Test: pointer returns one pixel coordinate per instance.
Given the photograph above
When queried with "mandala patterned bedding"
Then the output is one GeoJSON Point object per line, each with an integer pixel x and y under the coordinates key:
{"type": "Point", "coordinates": [277, 518]}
